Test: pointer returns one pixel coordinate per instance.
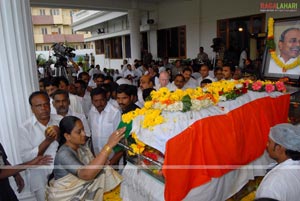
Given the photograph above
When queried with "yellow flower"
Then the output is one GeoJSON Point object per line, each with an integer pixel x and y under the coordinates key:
{"type": "Point", "coordinates": [283, 65]}
{"type": "Point", "coordinates": [138, 147]}
{"type": "Point", "coordinates": [148, 104]}
{"type": "Point", "coordinates": [270, 27]}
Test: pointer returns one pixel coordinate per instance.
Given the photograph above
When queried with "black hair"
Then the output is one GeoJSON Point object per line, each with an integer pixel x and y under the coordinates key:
{"type": "Point", "coordinates": [217, 68]}
{"type": "Point", "coordinates": [98, 75]}
{"type": "Point", "coordinates": [179, 75]}
{"type": "Point", "coordinates": [206, 81]}
{"type": "Point", "coordinates": [124, 88]}
{"type": "Point", "coordinates": [109, 78]}
{"type": "Point", "coordinates": [98, 91]}
{"type": "Point", "coordinates": [66, 125]}
{"type": "Point", "coordinates": [53, 82]}
{"type": "Point", "coordinates": [133, 90]}
{"type": "Point", "coordinates": [294, 155]}
{"type": "Point", "coordinates": [36, 93]}
{"type": "Point", "coordinates": [108, 87]}
{"type": "Point", "coordinates": [80, 75]}
{"type": "Point", "coordinates": [187, 69]}
{"type": "Point", "coordinates": [64, 80]}
{"type": "Point", "coordinates": [59, 92]}
{"type": "Point", "coordinates": [82, 84]}
{"type": "Point", "coordinates": [146, 93]}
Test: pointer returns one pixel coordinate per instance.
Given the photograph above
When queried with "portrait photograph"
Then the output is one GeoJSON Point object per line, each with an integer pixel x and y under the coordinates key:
{"type": "Point", "coordinates": [282, 57]}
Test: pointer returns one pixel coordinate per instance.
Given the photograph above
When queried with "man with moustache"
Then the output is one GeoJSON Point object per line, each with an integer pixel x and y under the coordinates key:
{"type": "Point", "coordinates": [289, 47]}
{"type": "Point", "coordinates": [282, 182]}
{"type": "Point", "coordinates": [126, 100]}
{"type": "Point", "coordinates": [61, 103]}
{"type": "Point", "coordinates": [37, 137]}
{"type": "Point", "coordinates": [103, 118]}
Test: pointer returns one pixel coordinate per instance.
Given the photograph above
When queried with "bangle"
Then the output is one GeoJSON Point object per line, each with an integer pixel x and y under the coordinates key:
{"type": "Point", "coordinates": [107, 149]}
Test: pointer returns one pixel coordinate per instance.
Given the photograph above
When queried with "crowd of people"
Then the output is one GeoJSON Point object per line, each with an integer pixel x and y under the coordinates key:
{"type": "Point", "coordinates": [75, 125]}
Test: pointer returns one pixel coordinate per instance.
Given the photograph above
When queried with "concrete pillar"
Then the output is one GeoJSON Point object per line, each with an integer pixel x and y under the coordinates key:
{"type": "Point", "coordinates": [134, 26]}
{"type": "Point", "coordinates": [18, 77]}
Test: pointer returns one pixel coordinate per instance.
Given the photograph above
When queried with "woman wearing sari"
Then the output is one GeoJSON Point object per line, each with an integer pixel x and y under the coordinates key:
{"type": "Point", "coordinates": [78, 175]}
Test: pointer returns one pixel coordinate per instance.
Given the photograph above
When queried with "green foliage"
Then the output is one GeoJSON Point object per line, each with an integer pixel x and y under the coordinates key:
{"type": "Point", "coordinates": [80, 59]}
{"type": "Point", "coordinates": [187, 104]}
{"type": "Point", "coordinates": [40, 60]}
{"type": "Point", "coordinates": [271, 44]}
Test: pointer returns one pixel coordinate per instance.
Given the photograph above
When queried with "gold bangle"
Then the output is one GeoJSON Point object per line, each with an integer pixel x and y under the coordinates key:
{"type": "Point", "coordinates": [107, 149]}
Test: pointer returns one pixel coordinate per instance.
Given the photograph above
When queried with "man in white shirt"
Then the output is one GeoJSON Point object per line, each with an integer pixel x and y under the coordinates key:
{"type": "Point", "coordinates": [37, 137]}
{"type": "Point", "coordinates": [103, 118]}
{"type": "Point", "coordinates": [145, 83]}
{"type": "Point", "coordinates": [289, 47]}
{"type": "Point", "coordinates": [164, 80]}
{"type": "Point", "coordinates": [75, 101]}
{"type": "Point", "coordinates": [84, 96]}
{"type": "Point", "coordinates": [228, 72]}
{"type": "Point", "coordinates": [189, 81]}
{"type": "Point", "coordinates": [283, 181]}
{"type": "Point", "coordinates": [204, 72]}
{"type": "Point", "coordinates": [61, 103]}
{"type": "Point", "coordinates": [178, 83]}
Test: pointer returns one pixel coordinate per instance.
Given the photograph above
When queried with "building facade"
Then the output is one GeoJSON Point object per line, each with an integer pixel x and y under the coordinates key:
{"type": "Point", "coordinates": [53, 25]}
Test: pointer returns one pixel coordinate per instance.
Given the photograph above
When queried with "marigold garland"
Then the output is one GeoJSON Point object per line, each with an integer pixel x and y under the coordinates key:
{"type": "Point", "coordinates": [195, 99]}
{"type": "Point", "coordinates": [272, 47]}
{"type": "Point", "coordinates": [198, 98]}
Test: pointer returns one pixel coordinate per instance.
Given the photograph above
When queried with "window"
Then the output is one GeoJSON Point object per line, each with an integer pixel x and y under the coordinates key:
{"type": "Point", "coordinates": [236, 32]}
{"type": "Point", "coordinates": [59, 30]}
{"type": "Point", "coordinates": [99, 46]}
{"type": "Point", "coordinates": [54, 11]}
{"type": "Point", "coordinates": [46, 48]}
{"type": "Point", "coordinates": [127, 47]}
{"type": "Point", "coordinates": [113, 48]}
{"type": "Point", "coordinates": [116, 48]}
{"type": "Point", "coordinates": [44, 31]}
{"type": "Point", "coordinates": [172, 42]}
{"type": "Point", "coordinates": [42, 12]}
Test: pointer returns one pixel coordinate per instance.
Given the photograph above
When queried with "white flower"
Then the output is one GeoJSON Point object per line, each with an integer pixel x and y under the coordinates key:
{"type": "Point", "coordinates": [177, 106]}
{"type": "Point", "coordinates": [222, 98]}
{"type": "Point", "coordinates": [239, 86]}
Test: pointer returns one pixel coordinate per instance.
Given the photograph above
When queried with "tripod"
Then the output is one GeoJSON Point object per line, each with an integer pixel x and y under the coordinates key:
{"type": "Point", "coordinates": [60, 71]}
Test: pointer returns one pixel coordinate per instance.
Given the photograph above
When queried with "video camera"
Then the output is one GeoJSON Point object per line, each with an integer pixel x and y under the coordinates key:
{"type": "Point", "coordinates": [63, 51]}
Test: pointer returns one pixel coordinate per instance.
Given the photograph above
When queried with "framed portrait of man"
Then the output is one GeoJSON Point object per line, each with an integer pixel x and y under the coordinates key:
{"type": "Point", "coordinates": [283, 60]}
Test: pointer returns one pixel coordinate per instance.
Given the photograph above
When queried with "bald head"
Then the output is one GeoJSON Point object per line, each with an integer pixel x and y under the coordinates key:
{"type": "Point", "coordinates": [164, 78]}
{"type": "Point", "coordinates": [146, 82]}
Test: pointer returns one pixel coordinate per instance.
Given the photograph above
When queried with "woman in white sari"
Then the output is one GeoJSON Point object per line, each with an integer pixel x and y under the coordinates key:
{"type": "Point", "coordinates": [78, 175]}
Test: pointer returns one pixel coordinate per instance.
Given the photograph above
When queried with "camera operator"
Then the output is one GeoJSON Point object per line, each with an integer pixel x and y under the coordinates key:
{"type": "Point", "coordinates": [63, 55]}
{"type": "Point", "coordinates": [77, 67]}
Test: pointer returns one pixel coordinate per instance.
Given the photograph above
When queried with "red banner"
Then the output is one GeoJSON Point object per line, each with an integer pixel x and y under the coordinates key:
{"type": "Point", "coordinates": [236, 138]}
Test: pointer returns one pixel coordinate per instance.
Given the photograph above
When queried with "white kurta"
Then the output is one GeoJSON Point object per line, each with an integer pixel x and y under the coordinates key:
{"type": "Point", "coordinates": [103, 124]}
{"type": "Point", "coordinates": [31, 135]}
{"type": "Point", "coordinates": [191, 83]}
{"type": "Point", "coordinates": [82, 117]}
{"type": "Point", "coordinates": [75, 104]}
{"type": "Point", "coordinates": [282, 182]}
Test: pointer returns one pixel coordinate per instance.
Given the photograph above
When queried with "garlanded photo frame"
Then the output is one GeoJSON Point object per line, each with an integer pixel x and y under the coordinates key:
{"type": "Point", "coordinates": [282, 52]}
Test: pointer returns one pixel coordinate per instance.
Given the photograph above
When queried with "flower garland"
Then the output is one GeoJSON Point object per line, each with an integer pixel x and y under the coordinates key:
{"type": "Point", "coordinates": [165, 100]}
{"type": "Point", "coordinates": [272, 48]}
